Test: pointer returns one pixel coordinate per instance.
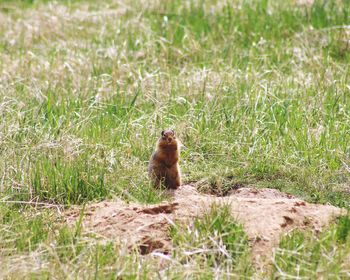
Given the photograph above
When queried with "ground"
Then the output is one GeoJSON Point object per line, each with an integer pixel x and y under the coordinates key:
{"type": "Point", "coordinates": [264, 213]}
{"type": "Point", "coordinates": [258, 93]}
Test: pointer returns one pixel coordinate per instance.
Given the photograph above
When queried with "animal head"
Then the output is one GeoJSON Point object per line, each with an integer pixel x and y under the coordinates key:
{"type": "Point", "coordinates": [168, 138]}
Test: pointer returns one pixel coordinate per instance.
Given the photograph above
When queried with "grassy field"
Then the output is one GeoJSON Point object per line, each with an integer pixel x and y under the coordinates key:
{"type": "Point", "coordinates": [258, 92]}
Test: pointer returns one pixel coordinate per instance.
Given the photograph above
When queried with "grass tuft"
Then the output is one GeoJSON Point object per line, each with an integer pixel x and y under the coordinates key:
{"type": "Point", "coordinates": [67, 182]}
{"type": "Point", "coordinates": [213, 241]}
{"type": "Point", "coordinates": [306, 255]}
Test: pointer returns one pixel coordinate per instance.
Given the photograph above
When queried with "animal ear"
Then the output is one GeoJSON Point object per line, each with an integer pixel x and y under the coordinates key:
{"type": "Point", "coordinates": [173, 132]}
{"type": "Point", "coordinates": [162, 132]}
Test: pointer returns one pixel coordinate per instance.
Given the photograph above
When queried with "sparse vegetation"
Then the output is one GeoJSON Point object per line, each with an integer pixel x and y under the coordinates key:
{"type": "Point", "coordinates": [306, 256]}
{"type": "Point", "coordinates": [258, 92]}
{"type": "Point", "coordinates": [213, 246]}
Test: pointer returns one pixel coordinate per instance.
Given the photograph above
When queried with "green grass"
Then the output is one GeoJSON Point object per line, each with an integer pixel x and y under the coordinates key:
{"type": "Point", "coordinates": [214, 242]}
{"type": "Point", "coordinates": [18, 235]}
{"type": "Point", "coordinates": [306, 256]}
{"type": "Point", "coordinates": [258, 92]}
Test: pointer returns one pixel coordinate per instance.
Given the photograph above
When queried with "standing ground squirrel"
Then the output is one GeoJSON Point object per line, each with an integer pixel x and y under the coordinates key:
{"type": "Point", "coordinates": [163, 167]}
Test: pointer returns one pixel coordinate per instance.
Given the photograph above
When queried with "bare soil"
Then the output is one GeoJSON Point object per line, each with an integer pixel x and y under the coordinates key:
{"type": "Point", "coordinates": [266, 214]}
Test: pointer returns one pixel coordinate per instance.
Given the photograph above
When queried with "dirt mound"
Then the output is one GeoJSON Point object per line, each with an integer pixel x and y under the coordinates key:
{"type": "Point", "coordinates": [264, 213]}
{"type": "Point", "coordinates": [260, 193]}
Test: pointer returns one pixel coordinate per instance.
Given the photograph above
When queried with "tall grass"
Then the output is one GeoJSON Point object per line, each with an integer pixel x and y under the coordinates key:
{"type": "Point", "coordinates": [257, 92]}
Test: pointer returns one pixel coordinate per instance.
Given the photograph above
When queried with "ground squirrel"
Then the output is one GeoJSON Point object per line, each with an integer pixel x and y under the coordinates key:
{"type": "Point", "coordinates": [163, 167]}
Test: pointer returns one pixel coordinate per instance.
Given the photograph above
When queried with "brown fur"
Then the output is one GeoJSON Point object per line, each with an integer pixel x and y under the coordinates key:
{"type": "Point", "coordinates": [163, 167]}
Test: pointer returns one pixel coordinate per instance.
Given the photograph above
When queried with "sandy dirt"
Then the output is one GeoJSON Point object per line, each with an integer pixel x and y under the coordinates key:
{"type": "Point", "coordinates": [266, 214]}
